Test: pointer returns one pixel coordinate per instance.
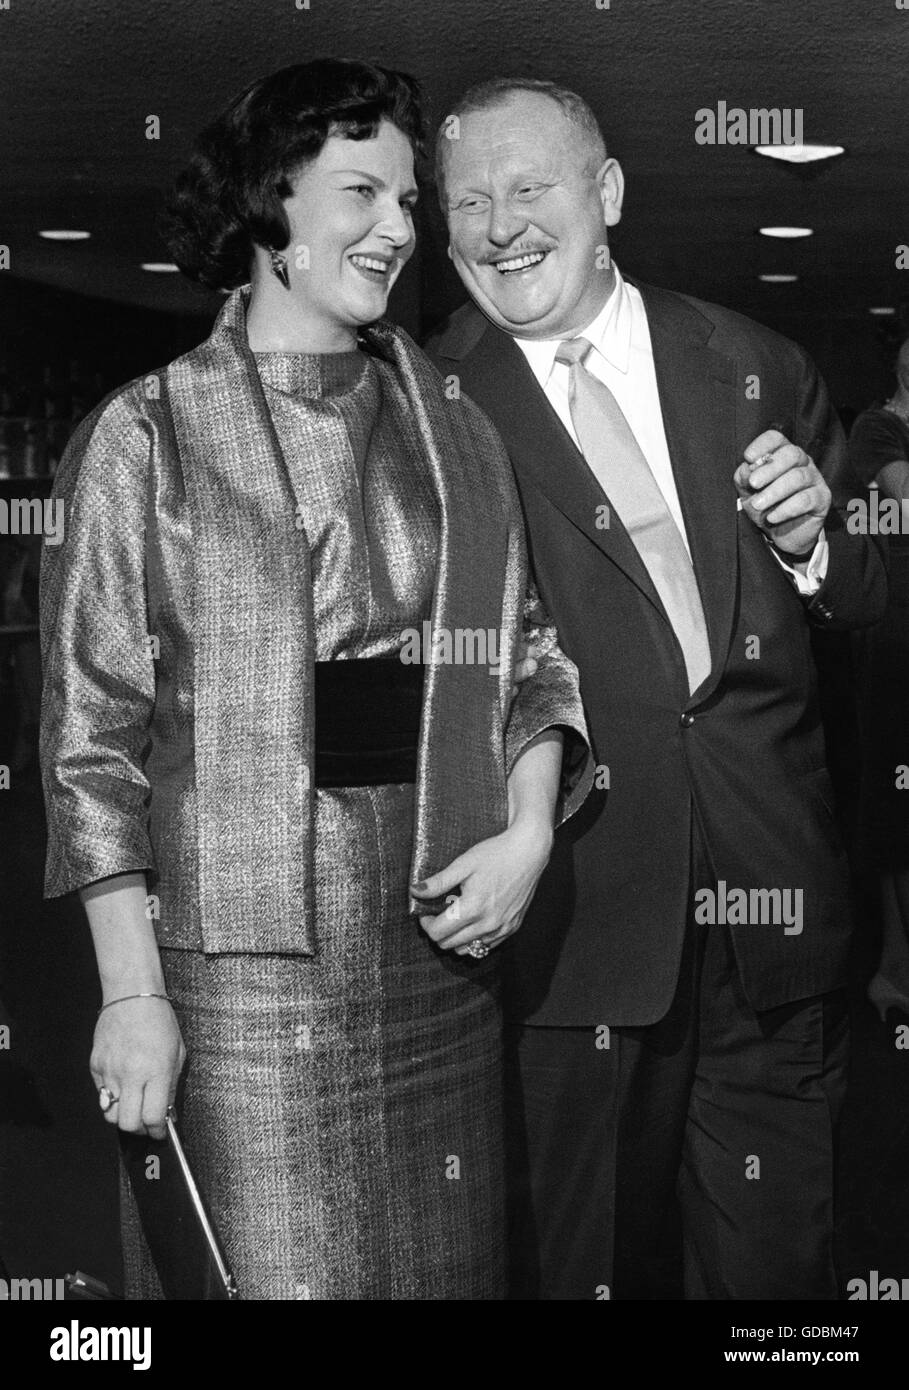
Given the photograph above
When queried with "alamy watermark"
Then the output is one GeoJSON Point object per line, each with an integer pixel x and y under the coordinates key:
{"type": "Point", "coordinates": [751, 907]}
{"type": "Point", "coordinates": [874, 1289]}
{"type": "Point", "coordinates": [32, 1290]}
{"type": "Point", "coordinates": [76, 1343]}
{"type": "Point", "coordinates": [440, 646]}
{"type": "Point", "coordinates": [32, 516]}
{"type": "Point", "coordinates": [759, 125]}
{"type": "Point", "coordinates": [878, 516]}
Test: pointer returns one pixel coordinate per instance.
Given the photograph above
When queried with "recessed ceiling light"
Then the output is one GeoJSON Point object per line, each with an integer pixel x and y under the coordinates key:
{"type": "Point", "coordinates": [786, 233]}
{"type": "Point", "coordinates": [160, 267]}
{"type": "Point", "coordinates": [800, 154]}
{"type": "Point", "coordinates": [882, 311]}
{"type": "Point", "coordinates": [778, 279]}
{"type": "Point", "coordinates": [64, 234]}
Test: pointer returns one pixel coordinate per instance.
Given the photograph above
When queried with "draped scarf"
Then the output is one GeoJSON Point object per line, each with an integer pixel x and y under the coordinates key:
{"type": "Point", "coordinates": [255, 641]}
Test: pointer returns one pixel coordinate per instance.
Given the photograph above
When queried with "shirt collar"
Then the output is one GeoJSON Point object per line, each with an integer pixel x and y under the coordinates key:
{"type": "Point", "coordinates": [609, 334]}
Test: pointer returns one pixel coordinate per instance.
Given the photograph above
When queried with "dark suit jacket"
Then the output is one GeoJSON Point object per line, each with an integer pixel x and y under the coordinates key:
{"type": "Point", "coordinates": [745, 755]}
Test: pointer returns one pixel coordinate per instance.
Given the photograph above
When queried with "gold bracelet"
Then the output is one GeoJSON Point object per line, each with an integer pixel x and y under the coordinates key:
{"type": "Point", "coordinates": [123, 998]}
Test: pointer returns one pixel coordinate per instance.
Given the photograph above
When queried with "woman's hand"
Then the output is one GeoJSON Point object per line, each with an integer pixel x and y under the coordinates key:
{"type": "Point", "coordinates": [526, 663]}
{"type": "Point", "coordinates": [138, 1055]}
{"type": "Point", "coordinates": [497, 879]}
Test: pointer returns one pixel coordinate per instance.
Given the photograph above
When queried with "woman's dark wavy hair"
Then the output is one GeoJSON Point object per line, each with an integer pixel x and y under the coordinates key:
{"type": "Point", "coordinates": [229, 196]}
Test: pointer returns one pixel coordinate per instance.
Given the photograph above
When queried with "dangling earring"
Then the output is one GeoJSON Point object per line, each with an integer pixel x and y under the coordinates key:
{"type": "Point", "coordinates": [279, 267]}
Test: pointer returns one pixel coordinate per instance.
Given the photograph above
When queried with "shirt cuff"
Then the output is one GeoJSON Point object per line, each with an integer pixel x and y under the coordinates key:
{"type": "Point", "coordinates": [809, 582]}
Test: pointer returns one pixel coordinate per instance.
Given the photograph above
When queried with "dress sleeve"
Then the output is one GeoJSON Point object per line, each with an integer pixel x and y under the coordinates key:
{"type": "Point", "coordinates": [875, 441]}
{"type": "Point", "coordinates": [550, 699]}
{"type": "Point", "coordinates": [99, 674]}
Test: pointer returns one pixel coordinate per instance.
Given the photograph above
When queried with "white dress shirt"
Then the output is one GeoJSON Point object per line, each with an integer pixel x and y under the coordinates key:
{"type": "Point", "coordinates": [622, 358]}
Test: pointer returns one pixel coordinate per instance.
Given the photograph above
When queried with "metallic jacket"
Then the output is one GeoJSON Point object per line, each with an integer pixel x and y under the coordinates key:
{"type": "Point", "coordinates": [178, 637]}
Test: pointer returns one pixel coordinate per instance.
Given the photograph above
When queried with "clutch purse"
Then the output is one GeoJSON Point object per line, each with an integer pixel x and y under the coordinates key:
{"type": "Point", "coordinates": [181, 1237]}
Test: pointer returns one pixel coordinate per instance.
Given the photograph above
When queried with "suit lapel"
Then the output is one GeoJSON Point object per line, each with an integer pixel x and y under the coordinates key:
{"type": "Point", "coordinates": [497, 376]}
{"type": "Point", "coordinates": [697, 399]}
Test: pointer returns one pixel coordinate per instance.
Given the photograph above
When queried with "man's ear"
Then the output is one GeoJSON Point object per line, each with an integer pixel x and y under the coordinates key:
{"type": "Point", "coordinates": [611, 184]}
{"type": "Point", "coordinates": [448, 252]}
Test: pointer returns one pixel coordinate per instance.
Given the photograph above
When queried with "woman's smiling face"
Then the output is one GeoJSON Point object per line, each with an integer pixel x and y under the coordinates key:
{"type": "Point", "coordinates": [351, 229]}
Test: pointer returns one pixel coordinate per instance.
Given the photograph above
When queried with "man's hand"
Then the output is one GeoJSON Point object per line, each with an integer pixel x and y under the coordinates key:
{"type": "Point", "coordinates": [783, 493]}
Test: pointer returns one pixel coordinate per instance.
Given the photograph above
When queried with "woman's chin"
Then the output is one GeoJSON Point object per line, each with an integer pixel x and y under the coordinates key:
{"type": "Point", "coordinates": [371, 307]}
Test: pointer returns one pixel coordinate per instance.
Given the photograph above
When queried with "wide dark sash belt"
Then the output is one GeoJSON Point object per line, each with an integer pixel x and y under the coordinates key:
{"type": "Point", "coordinates": [367, 721]}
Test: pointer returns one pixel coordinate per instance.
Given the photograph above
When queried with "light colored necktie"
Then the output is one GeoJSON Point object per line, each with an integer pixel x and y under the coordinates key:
{"type": "Point", "coordinates": [617, 461]}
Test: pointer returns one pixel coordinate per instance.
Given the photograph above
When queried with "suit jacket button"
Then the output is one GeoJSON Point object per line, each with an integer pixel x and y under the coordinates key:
{"type": "Point", "coordinates": [686, 721]}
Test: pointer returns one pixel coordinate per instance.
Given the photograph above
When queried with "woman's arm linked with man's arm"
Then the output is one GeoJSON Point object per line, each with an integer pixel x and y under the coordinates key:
{"type": "Point", "coordinates": [550, 772]}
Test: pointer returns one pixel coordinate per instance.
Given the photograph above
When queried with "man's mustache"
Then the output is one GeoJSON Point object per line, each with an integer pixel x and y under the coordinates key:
{"type": "Point", "coordinates": [493, 257]}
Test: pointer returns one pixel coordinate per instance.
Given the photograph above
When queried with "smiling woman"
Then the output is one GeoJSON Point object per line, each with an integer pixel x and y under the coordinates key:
{"type": "Point", "coordinates": [232, 197]}
{"type": "Point", "coordinates": [350, 232]}
{"type": "Point", "coordinates": [288, 838]}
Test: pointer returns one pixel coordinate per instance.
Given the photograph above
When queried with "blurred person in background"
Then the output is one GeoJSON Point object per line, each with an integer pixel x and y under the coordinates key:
{"type": "Point", "coordinates": [879, 455]}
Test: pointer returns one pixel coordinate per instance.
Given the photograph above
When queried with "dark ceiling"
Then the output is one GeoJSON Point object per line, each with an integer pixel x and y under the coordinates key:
{"type": "Point", "coordinates": [79, 80]}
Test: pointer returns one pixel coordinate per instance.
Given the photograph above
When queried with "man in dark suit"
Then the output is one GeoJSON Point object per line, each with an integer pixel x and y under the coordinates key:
{"type": "Point", "coordinates": [677, 1031]}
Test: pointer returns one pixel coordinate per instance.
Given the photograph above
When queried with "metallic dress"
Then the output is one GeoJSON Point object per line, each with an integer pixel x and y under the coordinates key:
{"type": "Point", "coordinates": [230, 521]}
{"type": "Point", "coordinates": [342, 1111]}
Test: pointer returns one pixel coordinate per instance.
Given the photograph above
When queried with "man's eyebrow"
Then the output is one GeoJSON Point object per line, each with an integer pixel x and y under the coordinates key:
{"type": "Point", "coordinates": [412, 192]}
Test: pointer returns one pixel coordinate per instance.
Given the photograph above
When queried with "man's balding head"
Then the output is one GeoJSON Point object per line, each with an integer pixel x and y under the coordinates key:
{"type": "Point", "coordinates": [529, 192]}
{"type": "Point", "coordinates": [483, 96]}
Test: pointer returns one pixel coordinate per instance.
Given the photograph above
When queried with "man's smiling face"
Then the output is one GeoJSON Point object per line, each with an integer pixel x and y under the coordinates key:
{"type": "Point", "coordinates": [527, 212]}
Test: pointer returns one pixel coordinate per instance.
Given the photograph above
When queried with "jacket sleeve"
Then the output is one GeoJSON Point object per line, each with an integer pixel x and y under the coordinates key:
{"type": "Point", "coordinates": [549, 699]}
{"type": "Point", "coordinates": [99, 674]}
{"type": "Point", "coordinates": [854, 592]}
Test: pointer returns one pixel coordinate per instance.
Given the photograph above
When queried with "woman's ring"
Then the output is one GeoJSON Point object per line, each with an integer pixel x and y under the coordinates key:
{"type": "Point", "coordinates": [478, 949]}
{"type": "Point", "coordinates": [106, 1099]}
